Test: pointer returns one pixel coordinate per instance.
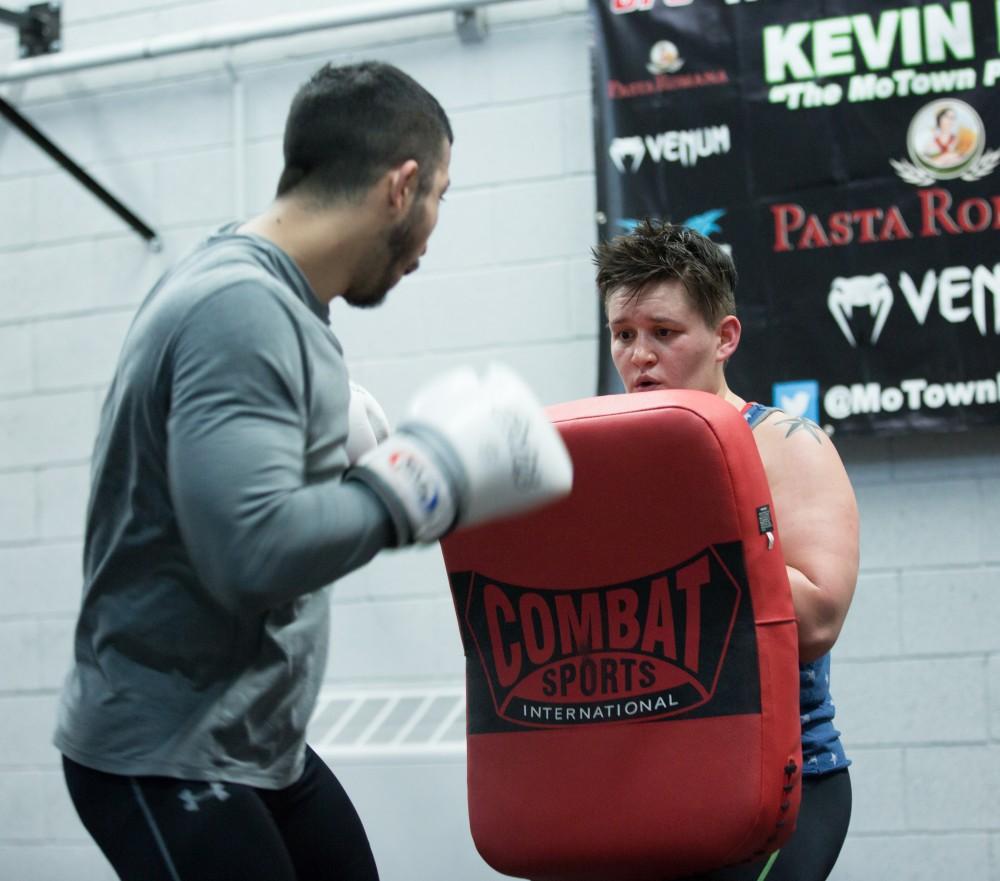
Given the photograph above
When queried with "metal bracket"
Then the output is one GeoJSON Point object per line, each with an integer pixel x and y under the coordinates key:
{"type": "Point", "coordinates": [39, 28]}
{"type": "Point", "coordinates": [13, 116]}
{"type": "Point", "coordinates": [471, 25]}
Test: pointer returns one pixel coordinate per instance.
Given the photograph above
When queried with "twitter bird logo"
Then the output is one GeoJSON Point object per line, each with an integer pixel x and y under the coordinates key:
{"type": "Point", "coordinates": [797, 398]}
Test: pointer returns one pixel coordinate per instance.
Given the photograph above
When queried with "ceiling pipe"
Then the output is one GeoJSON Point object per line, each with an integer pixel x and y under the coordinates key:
{"type": "Point", "coordinates": [228, 36]}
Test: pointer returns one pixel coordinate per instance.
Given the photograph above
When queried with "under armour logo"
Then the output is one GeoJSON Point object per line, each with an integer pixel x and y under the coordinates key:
{"type": "Point", "coordinates": [213, 790]}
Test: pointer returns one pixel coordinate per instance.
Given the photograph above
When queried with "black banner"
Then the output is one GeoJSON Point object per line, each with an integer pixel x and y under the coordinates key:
{"type": "Point", "coordinates": [846, 152]}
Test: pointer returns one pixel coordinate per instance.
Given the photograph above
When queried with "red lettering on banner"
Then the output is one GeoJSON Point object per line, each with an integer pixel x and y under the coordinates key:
{"type": "Point", "coordinates": [674, 82]}
{"type": "Point", "coordinates": [894, 227]}
{"type": "Point", "coordinates": [841, 231]}
{"type": "Point", "coordinates": [980, 207]}
{"type": "Point", "coordinates": [934, 205]}
{"type": "Point", "coordinates": [787, 218]}
{"type": "Point", "coordinates": [620, 7]}
{"type": "Point", "coordinates": [795, 229]}
{"type": "Point", "coordinates": [976, 214]}
{"type": "Point", "coordinates": [813, 234]}
{"type": "Point", "coordinates": [866, 218]}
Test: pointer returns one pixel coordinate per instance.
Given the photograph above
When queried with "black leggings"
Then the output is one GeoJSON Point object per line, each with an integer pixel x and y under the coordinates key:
{"type": "Point", "coordinates": [809, 855]}
{"type": "Point", "coordinates": [162, 829]}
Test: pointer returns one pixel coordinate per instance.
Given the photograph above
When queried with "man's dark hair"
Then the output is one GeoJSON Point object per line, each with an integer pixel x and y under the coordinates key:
{"type": "Point", "coordinates": [655, 252]}
{"type": "Point", "coordinates": [349, 125]}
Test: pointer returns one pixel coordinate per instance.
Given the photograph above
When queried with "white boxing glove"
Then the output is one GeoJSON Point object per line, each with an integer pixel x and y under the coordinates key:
{"type": "Point", "coordinates": [470, 450]}
{"type": "Point", "coordinates": [367, 425]}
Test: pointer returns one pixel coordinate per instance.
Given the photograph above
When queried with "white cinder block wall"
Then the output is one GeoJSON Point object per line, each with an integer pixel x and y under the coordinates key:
{"type": "Point", "coordinates": [507, 276]}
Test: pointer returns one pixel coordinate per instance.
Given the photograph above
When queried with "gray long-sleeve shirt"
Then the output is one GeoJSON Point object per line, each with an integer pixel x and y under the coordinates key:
{"type": "Point", "coordinates": [217, 514]}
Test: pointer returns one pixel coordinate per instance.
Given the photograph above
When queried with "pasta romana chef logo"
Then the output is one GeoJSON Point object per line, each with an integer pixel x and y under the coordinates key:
{"type": "Point", "coordinates": [946, 139]}
{"type": "Point", "coordinates": [664, 58]}
{"type": "Point", "coordinates": [656, 647]}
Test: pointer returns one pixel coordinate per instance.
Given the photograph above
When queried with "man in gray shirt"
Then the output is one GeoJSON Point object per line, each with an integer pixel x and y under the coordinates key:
{"type": "Point", "coordinates": [224, 499]}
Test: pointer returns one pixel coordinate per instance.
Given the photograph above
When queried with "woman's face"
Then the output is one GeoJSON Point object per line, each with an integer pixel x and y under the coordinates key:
{"type": "Point", "coordinates": [660, 341]}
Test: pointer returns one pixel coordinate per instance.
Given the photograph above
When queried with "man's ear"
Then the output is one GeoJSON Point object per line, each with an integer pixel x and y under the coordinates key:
{"type": "Point", "coordinates": [729, 337]}
{"type": "Point", "coordinates": [402, 185]}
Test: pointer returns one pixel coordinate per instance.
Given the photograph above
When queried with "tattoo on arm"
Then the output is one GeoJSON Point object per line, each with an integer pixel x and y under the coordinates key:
{"type": "Point", "coordinates": [800, 422]}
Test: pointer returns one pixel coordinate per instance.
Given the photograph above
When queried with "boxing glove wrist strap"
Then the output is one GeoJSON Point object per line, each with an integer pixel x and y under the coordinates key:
{"type": "Point", "coordinates": [414, 484]}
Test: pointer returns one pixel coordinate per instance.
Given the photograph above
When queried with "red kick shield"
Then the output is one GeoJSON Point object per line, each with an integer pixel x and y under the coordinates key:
{"type": "Point", "coordinates": [631, 654]}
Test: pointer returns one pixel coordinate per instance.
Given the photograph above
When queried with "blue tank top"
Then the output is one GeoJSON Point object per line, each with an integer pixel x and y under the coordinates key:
{"type": "Point", "coordinates": [822, 751]}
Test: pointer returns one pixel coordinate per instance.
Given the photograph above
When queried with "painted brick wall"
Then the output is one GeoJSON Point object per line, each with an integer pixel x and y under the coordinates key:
{"type": "Point", "coordinates": [916, 667]}
{"type": "Point", "coordinates": [507, 276]}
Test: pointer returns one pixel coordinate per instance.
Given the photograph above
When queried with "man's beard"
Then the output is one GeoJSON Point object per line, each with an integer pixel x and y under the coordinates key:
{"type": "Point", "coordinates": [400, 242]}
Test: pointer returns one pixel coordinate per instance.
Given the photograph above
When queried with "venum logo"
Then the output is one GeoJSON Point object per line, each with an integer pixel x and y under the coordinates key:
{"type": "Point", "coordinates": [871, 292]}
{"type": "Point", "coordinates": [685, 147]}
{"type": "Point", "coordinates": [678, 642]}
{"type": "Point", "coordinates": [860, 304]}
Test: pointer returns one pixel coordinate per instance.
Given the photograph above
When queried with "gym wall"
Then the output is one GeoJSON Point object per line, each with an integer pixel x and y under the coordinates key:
{"type": "Point", "coordinates": [507, 276]}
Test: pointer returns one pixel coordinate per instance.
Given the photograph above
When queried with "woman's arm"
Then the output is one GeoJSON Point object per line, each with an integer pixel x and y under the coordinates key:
{"type": "Point", "coordinates": [817, 520]}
